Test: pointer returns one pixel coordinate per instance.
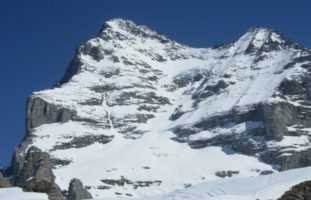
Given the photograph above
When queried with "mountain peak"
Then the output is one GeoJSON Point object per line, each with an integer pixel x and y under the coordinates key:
{"type": "Point", "coordinates": [260, 29]}
{"type": "Point", "coordinates": [118, 26]}
{"type": "Point", "coordinates": [264, 33]}
{"type": "Point", "coordinates": [265, 39]}
{"type": "Point", "coordinates": [121, 22]}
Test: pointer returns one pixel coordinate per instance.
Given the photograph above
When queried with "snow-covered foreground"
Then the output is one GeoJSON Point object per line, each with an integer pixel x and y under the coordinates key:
{"type": "Point", "coordinates": [268, 187]}
{"type": "Point", "coordinates": [154, 157]}
{"type": "Point", "coordinates": [18, 194]}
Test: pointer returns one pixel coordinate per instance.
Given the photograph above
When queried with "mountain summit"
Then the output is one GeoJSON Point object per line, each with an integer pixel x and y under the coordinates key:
{"type": "Point", "coordinates": [137, 114]}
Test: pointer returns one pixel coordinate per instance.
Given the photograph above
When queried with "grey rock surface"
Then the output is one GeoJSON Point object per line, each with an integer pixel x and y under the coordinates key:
{"type": "Point", "coordinates": [277, 117]}
{"type": "Point", "coordinates": [76, 191]}
{"type": "Point", "coordinates": [36, 174]}
{"type": "Point", "coordinates": [301, 191]}
{"type": "Point", "coordinates": [4, 183]}
{"type": "Point", "coordinates": [79, 142]}
{"type": "Point", "coordinates": [40, 112]}
{"type": "Point", "coordinates": [19, 155]}
{"type": "Point", "coordinates": [273, 119]}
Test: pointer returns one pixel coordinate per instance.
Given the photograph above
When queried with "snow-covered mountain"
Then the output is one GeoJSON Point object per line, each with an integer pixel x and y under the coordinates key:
{"type": "Point", "coordinates": [137, 114]}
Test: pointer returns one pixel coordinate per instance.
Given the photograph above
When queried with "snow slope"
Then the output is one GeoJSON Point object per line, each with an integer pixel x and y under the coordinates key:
{"type": "Point", "coordinates": [18, 194]}
{"type": "Point", "coordinates": [260, 188]}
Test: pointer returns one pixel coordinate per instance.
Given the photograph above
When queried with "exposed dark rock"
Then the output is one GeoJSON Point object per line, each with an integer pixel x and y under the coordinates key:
{"type": "Point", "coordinates": [204, 94]}
{"type": "Point", "coordinates": [209, 90]}
{"type": "Point", "coordinates": [146, 167]}
{"type": "Point", "coordinates": [95, 52]}
{"type": "Point", "coordinates": [59, 162]}
{"type": "Point", "coordinates": [221, 84]}
{"type": "Point", "coordinates": [40, 112]}
{"type": "Point", "coordinates": [159, 58]}
{"type": "Point", "coordinates": [153, 78]}
{"type": "Point", "coordinates": [291, 87]}
{"type": "Point", "coordinates": [128, 120]}
{"type": "Point", "coordinates": [185, 131]}
{"type": "Point", "coordinates": [126, 98]}
{"type": "Point", "coordinates": [113, 71]}
{"type": "Point", "coordinates": [134, 134]}
{"type": "Point", "coordinates": [183, 79]}
{"type": "Point", "coordinates": [250, 49]}
{"type": "Point", "coordinates": [176, 115]}
{"type": "Point", "coordinates": [274, 117]}
{"type": "Point", "coordinates": [228, 173]}
{"type": "Point", "coordinates": [73, 68]}
{"type": "Point", "coordinates": [103, 187]}
{"type": "Point", "coordinates": [114, 182]}
{"type": "Point", "coordinates": [148, 108]}
{"type": "Point", "coordinates": [83, 141]}
{"type": "Point", "coordinates": [88, 121]}
{"type": "Point", "coordinates": [266, 172]}
{"type": "Point", "coordinates": [278, 116]}
{"type": "Point", "coordinates": [36, 174]}
{"type": "Point", "coordinates": [55, 193]}
{"type": "Point", "coordinates": [291, 160]}
{"type": "Point", "coordinates": [76, 191]}
{"type": "Point", "coordinates": [300, 59]}
{"type": "Point", "coordinates": [19, 155]}
{"type": "Point", "coordinates": [139, 184]}
{"type": "Point", "coordinates": [136, 184]}
{"type": "Point", "coordinates": [248, 146]}
{"type": "Point", "coordinates": [4, 183]}
{"type": "Point", "coordinates": [114, 59]}
{"type": "Point", "coordinates": [92, 102]}
{"type": "Point", "coordinates": [234, 116]}
{"type": "Point", "coordinates": [301, 191]}
{"type": "Point", "coordinates": [218, 140]}
{"type": "Point", "coordinates": [227, 75]}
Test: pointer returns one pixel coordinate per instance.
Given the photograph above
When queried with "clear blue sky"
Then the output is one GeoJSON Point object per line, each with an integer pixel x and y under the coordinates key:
{"type": "Point", "coordinates": [38, 38]}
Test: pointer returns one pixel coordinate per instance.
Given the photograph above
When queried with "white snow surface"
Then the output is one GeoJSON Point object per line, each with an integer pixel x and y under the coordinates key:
{"type": "Point", "coordinates": [262, 188]}
{"type": "Point", "coordinates": [18, 194]}
{"type": "Point", "coordinates": [153, 156]}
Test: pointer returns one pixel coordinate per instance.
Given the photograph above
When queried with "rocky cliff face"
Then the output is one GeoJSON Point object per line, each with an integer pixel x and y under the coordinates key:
{"type": "Point", "coordinates": [301, 191]}
{"type": "Point", "coordinates": [133, 105]}
{"type": "Point", "coordinates": [4, 183]}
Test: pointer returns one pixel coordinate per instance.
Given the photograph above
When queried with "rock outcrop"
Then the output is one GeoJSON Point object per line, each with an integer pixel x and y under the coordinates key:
{"type": "Point", "coordinates": [41, 112]}
{"type": "Point", "coordinates": [36, 174]}
{"type": "Point", "coordinates": [76, 191]}
{"type": "Point", "coordinates": [301, 191]}
{"type": "Point", "coordinates": [4, 183]}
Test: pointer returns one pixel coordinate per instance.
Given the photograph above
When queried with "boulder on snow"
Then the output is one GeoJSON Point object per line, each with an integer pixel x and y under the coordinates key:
{"type": "Point", "coordinates": [76, 191]}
